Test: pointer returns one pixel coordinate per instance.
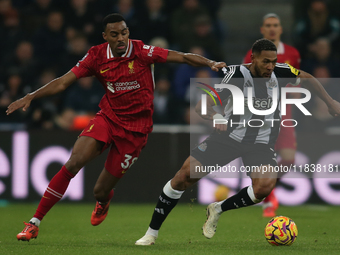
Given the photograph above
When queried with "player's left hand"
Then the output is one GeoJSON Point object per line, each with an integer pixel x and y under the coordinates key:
{"type": "Point", "coordinates": [217, 66]}
{"type": "Point", "coordinates": [334, 109]}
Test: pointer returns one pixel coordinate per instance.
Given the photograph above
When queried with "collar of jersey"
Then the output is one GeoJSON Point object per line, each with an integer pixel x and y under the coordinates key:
{"type": "Point", "coordinates": [280, 48]}
{"type": "Point", "coordinates": [127, 53]}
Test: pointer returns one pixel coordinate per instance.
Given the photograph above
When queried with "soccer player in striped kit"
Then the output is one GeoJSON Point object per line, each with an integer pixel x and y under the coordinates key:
{"type": "Point", "coordinates": [125, 69]}
{"type": "Point", "coordinates": [253, 143]}
{"type": "Point", "coordinates": [271, 29]}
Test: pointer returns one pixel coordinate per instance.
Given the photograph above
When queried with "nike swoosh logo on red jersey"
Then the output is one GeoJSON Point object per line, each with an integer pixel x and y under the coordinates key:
{"type": "Point", "coordinates": [103, 71]}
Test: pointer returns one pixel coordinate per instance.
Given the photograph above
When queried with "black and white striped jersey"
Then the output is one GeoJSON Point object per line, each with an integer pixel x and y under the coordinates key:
{"type": "Point", "coordinates": [261, 129]}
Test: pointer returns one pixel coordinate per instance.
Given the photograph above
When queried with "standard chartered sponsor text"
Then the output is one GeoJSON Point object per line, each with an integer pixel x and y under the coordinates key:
{"type": "Point", "coordinates": [129, 85]}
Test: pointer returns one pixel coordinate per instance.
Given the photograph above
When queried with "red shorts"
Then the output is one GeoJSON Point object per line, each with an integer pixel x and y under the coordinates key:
{"type": "Point", "coordinates": [286, 138]}
{"type": "Point", "coordinates": [125, 145]}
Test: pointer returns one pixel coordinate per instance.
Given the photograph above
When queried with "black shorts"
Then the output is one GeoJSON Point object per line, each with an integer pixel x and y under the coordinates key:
{"type": "Point", "coordinates": [221, 149]}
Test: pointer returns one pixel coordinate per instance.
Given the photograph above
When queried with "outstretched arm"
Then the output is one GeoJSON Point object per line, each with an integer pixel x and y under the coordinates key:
{"type": "Point", "coordinates": [193, 60]}
{"type": "Point", "coordinates": [314, 86]}
{"type": "Point", "coordinates": [51, 88]}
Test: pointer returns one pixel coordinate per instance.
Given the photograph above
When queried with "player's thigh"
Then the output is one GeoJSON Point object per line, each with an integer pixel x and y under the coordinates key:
{"type": "Point", "coordinates": [91, 142]}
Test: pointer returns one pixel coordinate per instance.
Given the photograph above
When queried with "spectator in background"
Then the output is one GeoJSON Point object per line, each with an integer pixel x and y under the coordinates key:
{"type": "Point", "coordinates": [22, 63]}
{"type": "Point", "coordinates": [190, 115]}
{"type": "Point", "coordinates": [5, 8]}
{"type": "Point", "coordinates": [41, 119]}
{"type": "Point", "coordinates": [10, 32]}
{"type": "Point", "coordinates": [77, 47]}
{"type": "Point", "coordinates": [164, 70]}
{"type": "Point", "coordinates": [155, 20]}
{"type": "Point", "coordinates": [204, 37]}
{"type": "Point", "coordinates": [318, 23]}
{"type": "Point", "coordinates": [42, 112]}
{"type": "Point", "coordinates": [201, 73]}
{"type": "Point", "coordinates": [84, 97]}
{"type": "Point", "coordinates": [35, 15]}
{"type": "Point", "coordinates": [80, 16]}
{"type": "Point", "coordinates": [181, 80]}
{"type": "Point", "coordinates": [330, 85]}
{"type": "Point", "coordinates": [167, 110]}
{"type": "Point", "coordinates": [182, 20]}
{"type": "Point", "coordinates": [213, 7]}
{"type": "Point", "coordinates": [321, 52]}
{"type": "Point", "coordinates": [52, 104]}
{"type": "Point", "coordinates": [127, 10]}
{"type": "Point", "coordinates": [45, 119]}
{"type": "Point", "coordinates": [65, 119]}
{"type": "Point", "coordinates": [50, 40]}
{"type": "Point", "coordinates": [12, 91]}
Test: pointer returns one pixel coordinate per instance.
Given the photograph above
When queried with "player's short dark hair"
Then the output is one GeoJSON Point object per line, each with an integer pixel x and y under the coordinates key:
{"type": "Point", "coordinates": [112, 18]}
{"type": "Point", "coordinates": [263, 44]}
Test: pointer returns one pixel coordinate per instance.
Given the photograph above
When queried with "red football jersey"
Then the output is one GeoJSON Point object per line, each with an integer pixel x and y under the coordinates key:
{"type": "Point", "coordinates": [285, 54]}
{"type": "Point", "coordinates": [127, 80]}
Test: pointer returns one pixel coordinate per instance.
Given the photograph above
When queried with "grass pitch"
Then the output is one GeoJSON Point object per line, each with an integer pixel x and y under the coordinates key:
{"type": "Point", "coordinates": [67, 230]}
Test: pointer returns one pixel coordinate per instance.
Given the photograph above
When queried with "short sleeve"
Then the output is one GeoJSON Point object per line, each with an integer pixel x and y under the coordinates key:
{"type": "Point", "coordinates": [152, 54]}
{"type": "Point", "coordinates": [85, 66]}
{"type": "Point", "coordinates": [288, 72]}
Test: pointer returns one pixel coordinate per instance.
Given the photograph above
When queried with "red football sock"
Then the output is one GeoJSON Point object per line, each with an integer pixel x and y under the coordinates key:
{"type": "Point", "coordinates": [54, 192]}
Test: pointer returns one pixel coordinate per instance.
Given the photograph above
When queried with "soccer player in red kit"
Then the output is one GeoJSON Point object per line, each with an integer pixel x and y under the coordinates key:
{"type": "Point", "coordinates": [271, 29]}
{"type": "Point", "coordinates": [124, 67]}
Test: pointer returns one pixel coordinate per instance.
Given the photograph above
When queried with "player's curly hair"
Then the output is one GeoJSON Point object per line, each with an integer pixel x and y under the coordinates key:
{"type": "Point", "coordinates": [112, 18]}
{"type": "Point", "coordinates": [263, 44]}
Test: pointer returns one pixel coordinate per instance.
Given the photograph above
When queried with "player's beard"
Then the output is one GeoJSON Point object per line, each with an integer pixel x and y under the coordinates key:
{"type": "Point", "coordinates": [257, 71]}
{"type": "Point", "coordinates": [121, 52]}
{"type": "Point", "coordinates": [259, 74]}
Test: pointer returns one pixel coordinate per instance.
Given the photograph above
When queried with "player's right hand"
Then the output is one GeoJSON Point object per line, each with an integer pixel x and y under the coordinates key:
{"type": "Point", "coordinates": [217, 66]}
{"type": "Point", "coordinates": [23, 103]}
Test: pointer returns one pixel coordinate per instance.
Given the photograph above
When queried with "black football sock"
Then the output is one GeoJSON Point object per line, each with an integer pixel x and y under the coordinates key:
{"type": "Point", "coordinates": [163, 208]}
{"type": "Point", "coordinates": [241, 199]}
{"type": "Point", "coordinates": [166, 202]}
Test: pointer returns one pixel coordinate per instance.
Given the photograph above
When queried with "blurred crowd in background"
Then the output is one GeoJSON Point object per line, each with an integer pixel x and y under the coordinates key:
{"type": "Point", "coordinates": [43, 39]}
